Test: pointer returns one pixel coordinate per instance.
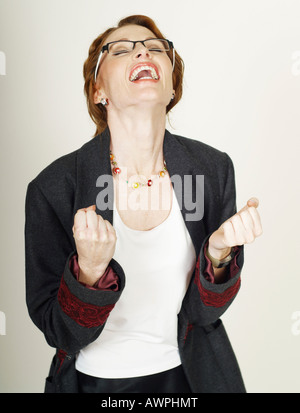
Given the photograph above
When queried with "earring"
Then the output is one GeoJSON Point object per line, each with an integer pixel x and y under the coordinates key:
{"type": "Point", "coordinates": [173, 96]}
{"type": "Point", "coordinates": [103, 102]}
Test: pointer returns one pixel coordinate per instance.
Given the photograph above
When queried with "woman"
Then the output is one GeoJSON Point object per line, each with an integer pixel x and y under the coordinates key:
{"type": "Point", "coordinates": [134, 248]}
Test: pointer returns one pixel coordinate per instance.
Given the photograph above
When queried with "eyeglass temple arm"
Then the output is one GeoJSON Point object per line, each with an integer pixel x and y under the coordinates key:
{"type": "Point", "coordinates": [97, 66]}
{"type": "Point", "coordinates": [173, 60]}
{"type": "Point", "coordinates": [99, 58]}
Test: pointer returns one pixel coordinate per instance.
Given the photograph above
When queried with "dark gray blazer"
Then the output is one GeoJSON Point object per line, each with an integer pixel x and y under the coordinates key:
{"type": "Point", "coordinates": [72, 316]}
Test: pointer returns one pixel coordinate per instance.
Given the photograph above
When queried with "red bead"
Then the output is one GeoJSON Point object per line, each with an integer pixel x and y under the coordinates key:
{"type": "Point", "coordinates": [116, 170]}
{"type": "Point", "coordinates": [150, 182]}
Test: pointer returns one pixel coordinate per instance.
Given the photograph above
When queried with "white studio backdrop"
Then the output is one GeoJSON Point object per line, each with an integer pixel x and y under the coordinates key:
{"type": "Point", "coordinates": [241, 95]}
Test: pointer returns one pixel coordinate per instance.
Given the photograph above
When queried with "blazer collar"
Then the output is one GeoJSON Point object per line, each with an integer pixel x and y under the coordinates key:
{"type": "Point", "coordinates": [94, 162]}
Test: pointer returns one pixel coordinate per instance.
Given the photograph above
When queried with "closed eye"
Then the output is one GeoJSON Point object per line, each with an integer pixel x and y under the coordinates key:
{"type": "Point", "coordinates": [156, 50]}
{"type": "Point", "coordinates": [120, 52]}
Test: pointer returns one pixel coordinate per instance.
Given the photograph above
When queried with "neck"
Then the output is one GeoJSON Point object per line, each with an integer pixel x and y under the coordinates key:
{"type": "Point", "coordinates": [137, 140]}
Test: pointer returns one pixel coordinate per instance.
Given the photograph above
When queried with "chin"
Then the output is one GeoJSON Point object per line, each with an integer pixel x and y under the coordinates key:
{"type": "Point", "coordinates": [151, 103]}
{"type": "Point", "coordinates": [150, 97]}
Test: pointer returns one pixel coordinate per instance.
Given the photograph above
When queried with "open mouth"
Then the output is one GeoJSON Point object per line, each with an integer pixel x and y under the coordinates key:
{"type": "Point", "coordinates": [144, 72]}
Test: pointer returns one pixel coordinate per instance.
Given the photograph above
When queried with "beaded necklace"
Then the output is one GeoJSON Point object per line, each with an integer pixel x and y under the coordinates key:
{"type": "Point", "coordinates": [116, 170]}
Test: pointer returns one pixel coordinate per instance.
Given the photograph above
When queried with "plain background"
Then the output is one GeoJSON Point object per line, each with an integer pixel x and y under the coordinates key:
{"type": "Point", "coordinates": [241, 95]}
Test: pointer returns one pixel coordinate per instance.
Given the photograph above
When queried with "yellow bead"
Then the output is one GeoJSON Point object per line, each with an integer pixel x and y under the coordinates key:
{"type": "Point", "coordinates": [135, 185]}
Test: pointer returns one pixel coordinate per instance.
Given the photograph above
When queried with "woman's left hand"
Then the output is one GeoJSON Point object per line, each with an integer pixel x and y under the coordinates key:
{"type": "Point", "coordinates": [242, 228]}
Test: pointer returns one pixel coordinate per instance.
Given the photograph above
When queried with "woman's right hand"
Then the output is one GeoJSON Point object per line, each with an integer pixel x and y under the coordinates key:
{"type": "Point", "coordinates": [95, 240]}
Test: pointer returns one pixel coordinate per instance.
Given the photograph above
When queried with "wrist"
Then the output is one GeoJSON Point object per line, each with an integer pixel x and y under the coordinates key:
{"type": "Point", "coordinates": [221, 258]}
{"type": "Point", "coordinates": [90, 276]}
{"type": "Point", "coordinates": [218, 254]}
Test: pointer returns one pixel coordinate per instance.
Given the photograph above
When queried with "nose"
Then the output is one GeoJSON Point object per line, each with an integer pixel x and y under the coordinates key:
{"type": "Point", "coordinates": [141, 51]}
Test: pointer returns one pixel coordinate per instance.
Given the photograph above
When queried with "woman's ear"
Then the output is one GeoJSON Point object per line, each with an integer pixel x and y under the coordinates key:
{"type": "Point", "coordinates": [97, 96]}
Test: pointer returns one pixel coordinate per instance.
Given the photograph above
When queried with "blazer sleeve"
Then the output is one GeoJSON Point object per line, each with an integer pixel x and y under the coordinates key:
{"type": "Point", "coordinates": [205, 301]}
{"type": "Point", "coordinates": [69, 314]}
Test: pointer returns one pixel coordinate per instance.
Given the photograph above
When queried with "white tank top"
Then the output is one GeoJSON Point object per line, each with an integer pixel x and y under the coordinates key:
{"type": "Point", "coordinates": [140, 335]}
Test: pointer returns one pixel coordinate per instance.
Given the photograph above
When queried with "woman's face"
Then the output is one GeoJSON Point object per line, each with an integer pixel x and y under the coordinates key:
{"type": "Point", "coordinates": [116, 79]}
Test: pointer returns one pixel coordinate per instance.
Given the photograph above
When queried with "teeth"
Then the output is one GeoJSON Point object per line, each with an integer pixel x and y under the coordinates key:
{"type": "Point", "coordinates": [138, 70]}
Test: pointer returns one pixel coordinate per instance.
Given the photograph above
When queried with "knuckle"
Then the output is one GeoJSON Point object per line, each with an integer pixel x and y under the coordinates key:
{"type": "Point", "coordinates": [103, 238]}
{"type": "Point", "coordinates": [245, 216]}
{"type": "Point", "coordinates": [75, 228]}
{"type": "Point", "coordinates": [80, 235]}
{"type": "Point", "coordinates": [79, 212]}
{"type": "Point", "coordinates": [113, 238]}
{"type": "Point", "coordinates": [90, 212]}
{"type": "Point", "coordinates": [235, 220]}
{"type": "Point", "coordinates": [259, 232]}
{"type": "Point", "coordinates": [227, 226]}
{"type": "Point", "coordinates": [249, 236]}
{"type": "Point", "coordinates": [95, 236]}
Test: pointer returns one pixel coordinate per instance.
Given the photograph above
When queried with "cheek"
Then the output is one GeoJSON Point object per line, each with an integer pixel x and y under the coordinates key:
{"type": "Point", "coordinates": [111, 79]}
{"type": "Point", "coordinates": [168, 73]}
{"type": "Point", "coordinates": [168, 82]}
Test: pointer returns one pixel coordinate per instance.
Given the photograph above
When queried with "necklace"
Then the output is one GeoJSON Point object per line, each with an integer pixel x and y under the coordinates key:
{"type": "Point", "coordinates": [136, 184]}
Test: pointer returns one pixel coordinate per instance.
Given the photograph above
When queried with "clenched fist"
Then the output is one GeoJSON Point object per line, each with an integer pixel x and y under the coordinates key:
{"type": "Point", "coordinates": [242, 228]}
{"type": "Point", "coordinates": [95, 240]}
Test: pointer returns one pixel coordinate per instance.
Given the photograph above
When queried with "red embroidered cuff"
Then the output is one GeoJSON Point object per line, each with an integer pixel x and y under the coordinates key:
{"type": "Point", "coordinates": [108, 282]}
{"type": "Point", "coordinates": [233, 268]}
{"type": "Point", "coordinates": [85, 314]}
{"type": "Point", "coordinates": [217, 300]}
{"type": "Point", "coordinates": [213, 298]}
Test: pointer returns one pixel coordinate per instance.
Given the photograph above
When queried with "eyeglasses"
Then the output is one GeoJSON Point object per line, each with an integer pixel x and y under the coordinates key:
{"type": "Point", "coordinates": [123, 47]}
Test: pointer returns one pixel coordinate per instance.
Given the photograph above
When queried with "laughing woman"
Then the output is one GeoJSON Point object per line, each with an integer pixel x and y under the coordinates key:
{"type": "Point", "coordinates": [130, 264]}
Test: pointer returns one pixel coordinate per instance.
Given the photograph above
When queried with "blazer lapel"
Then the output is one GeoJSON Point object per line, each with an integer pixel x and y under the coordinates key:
{"type": "Point", "coordinates": [94, 177]}
{"type": "Point", "coordinates": [187, 186]}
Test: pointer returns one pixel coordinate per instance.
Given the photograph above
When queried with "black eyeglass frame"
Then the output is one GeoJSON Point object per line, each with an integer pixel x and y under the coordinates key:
{"type": "Point", "coordinates": [134, 42]}
{"type": "Point", "coordinates": [105, 48]}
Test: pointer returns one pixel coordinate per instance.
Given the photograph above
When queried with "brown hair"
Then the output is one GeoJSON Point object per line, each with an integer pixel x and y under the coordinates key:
{"type": "Point", "coordinates": [98, 111]}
